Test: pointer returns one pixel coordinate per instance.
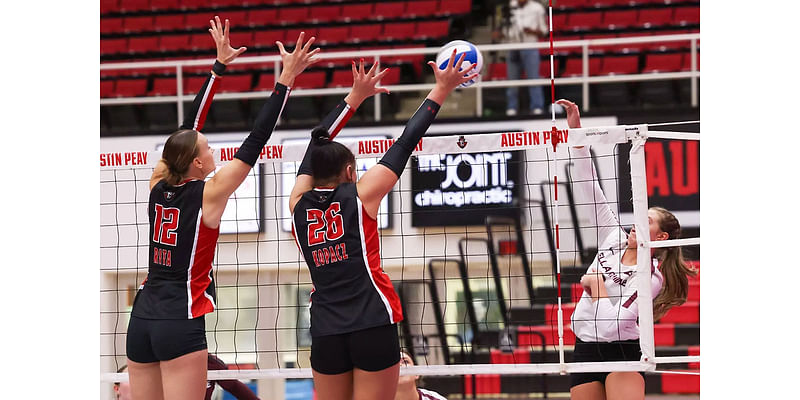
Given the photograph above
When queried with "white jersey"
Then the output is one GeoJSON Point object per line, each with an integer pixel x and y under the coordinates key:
{"type": "Point", "coordinates": [425, 394]}
{"type": "Point", "coordinates": [616, 317]}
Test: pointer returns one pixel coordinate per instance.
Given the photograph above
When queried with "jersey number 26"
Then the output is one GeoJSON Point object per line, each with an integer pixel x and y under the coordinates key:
{"type": "Point", "coordinates": [323, 226]}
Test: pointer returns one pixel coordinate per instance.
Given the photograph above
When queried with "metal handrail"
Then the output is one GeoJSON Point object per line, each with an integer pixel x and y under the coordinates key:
{"type": "Point", "coordinates": [375, 55]}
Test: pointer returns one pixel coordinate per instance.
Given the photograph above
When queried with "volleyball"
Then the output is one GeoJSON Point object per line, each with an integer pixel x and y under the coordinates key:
{"type": "Point", "coordinates": [473, 56]}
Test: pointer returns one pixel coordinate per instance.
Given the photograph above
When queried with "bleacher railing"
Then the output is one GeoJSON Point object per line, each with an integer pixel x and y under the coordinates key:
{"type": "Point", "coordinates": [585, 80]}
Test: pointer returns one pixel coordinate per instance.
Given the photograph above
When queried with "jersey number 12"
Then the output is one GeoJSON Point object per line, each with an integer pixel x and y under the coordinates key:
{"type": "Point", "coordinates": [165, 224]}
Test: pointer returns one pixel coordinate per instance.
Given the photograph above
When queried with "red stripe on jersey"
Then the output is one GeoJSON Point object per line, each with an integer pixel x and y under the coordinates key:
{"type": "Point", "coordinates": [205, 105]}
{"type": "Point", "coordinates": [201, 269]}
{"type": "Point", "coordinates": [630, 300]}
{"type": "Point", "coordinates": [341, 121]}
{"type": "Point", "coordinates": [381, 280]}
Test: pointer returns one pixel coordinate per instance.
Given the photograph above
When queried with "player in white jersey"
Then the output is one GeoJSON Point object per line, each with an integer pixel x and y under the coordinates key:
{"type": "Point", "coordinates": [407, 384]}
{"type": "Point", "coordinates": [605, 320]}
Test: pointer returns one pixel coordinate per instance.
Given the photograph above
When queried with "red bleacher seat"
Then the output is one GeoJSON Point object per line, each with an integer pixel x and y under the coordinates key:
{"type": "Point", "coordinates": [687, 15]}
{"type": "Point", "coordinates": [584, 20]}
{"type": "Point", "coordinates": [310, 80]}
{"type": "Point", "coordinates": [163, 87]}
{"type": "Point", "coordinates": [106, 88]}
{"type": "Point", "coordinates": [653, 17]}
{"type": "Point", "coordinates": [687, 63]}
{"type": "Point", "coordinates": [325, 13]}
{"type": "Point", "coordinates": [574, 66]}
{"type": "Point", "coordinates": [674, 383]}
{"type": "Point", "coordinates": [292, 15]}
{"type": "Point", "coordinates": [261, 17]}
{"type": "Point", "coordinates": [169, 22]}
{"type": "Point", "coordinates": [551, 313]}
{"type": "Point", "coordinates": [664, 334]}
{"type": "Point", "coordinates": [544, 68]}
{"type": "Point", "coordinates": [562, 4]}
{"type": "Point", "coordinates": [559, 21]}
{"type": "Point", "coordinates": [266, 82]}
{"type": "Point", "coordinates": [355, 12]}
{"type": "Point", "coordinates": [455, 7]}
{"type": "Point", "coordinates": [174, 42]}
{"type": "Point", "coordinates": [268, 38]}
{"type": "Point", "coordinates": [484, 384]}
{"type": "Point", "coordinates": [694, 291]}
{"type": "Point", "coordinates": [130, 87]}
{"type": "Point", "coordinates": [389, 10]}
{"type": "Point", "coordinates": [364, 33]}
{"type": "Point", "coordinates": [198, 20]}
{"type": "Point", "coordinates": [525, 338]}
{"type": "Point", "coordinates": [161, 5]}
{"type": "Point", "coordinates": [687, 313]}
{"type": "Point", "coordinates": [620, 65]}
{"type": "Point", "coordinates": [138, 24]}
{"type": "Point", "coordinates": [432, 29]}
{"type": "Point", "coordinates": [225, 3]}
{"type": "Point", "coordinates": [107, 6]}
{"type": "Point", "coordinates": [236, 18]}
{"type": "Point", "coordinates": [425, 8]}
{"type": "Point", "coordinates": [201, 41]}
{"type": "Point", "coordinates": [332, 34]}
{"type": "Point", "coordinates": [142, 44]}
{"type": "Point", "coordinates": [341, 78]}
{"type": "Point", "coordinates": [239, 39]}
{"type": "Point", "coordinates": [619, 19]}
{"type": "Point", "coordinates": [560, 49]}
{"type": "Point", "coordinates": [392, 77]}
{"type": "Point", "coordinates": [416, 60]}
{"type": "Point", "coordinates": [133, 5]}
{"type": "Point", "coordinates": [236, 83]}
{"type": "Point", "coordinates": [192, 84]}
{"type": "Point", "coordinates": [398, 30]}
{"type": "Point", "coordinates": [663, 63]}
{"type": "Point", "coordinates": [601, 48]}
{"type": "Point", "coordinates": [110, 25]}
{"type": "Point", "coordinates": [294, 33]}
{"type": "Point", "coordinates": [497, 71]}
{"type": "Point", "coordinates": [112, 46]}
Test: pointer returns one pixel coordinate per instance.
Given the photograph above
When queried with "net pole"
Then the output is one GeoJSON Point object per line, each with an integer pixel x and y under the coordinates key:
{"type": "Point", "coordinates": [554, 139]}
{"type": "Point", "coordinates": [643, 257]}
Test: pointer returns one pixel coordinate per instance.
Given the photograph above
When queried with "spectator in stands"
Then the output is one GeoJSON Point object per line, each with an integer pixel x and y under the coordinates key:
{"type": "Point", "coordinates": [524, 21]}
{"type": "Point", "coordinates": [407, 385]}
{"type": "Point", "coordinates": [606, 319]}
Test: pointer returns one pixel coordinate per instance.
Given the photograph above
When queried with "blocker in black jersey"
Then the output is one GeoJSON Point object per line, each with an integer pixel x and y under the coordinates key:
{"type": "Point", "coordinates": [179, 284]}
{"type": "Point", "coordinates": [340, 244]}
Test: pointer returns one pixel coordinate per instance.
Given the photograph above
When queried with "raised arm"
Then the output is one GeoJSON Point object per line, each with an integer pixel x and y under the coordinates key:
{"type": "Point", "coordinates": [220, 187]}
{"type": "Point", "coordinates": [195, 116]}
{"type": "Point", "coordinates": [380, 179]}
{"type": "Point", "coordinates": [587, 188]}
{"type": "Point", "coordinates": [364, 87]}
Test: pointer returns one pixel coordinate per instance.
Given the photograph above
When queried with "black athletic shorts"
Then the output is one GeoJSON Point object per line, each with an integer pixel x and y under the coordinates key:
{"type": "Point", "coordinates": [371, 349]}
{"type": "Point", "coordinates": [624, 350]}
{"type": "Point", "coordinates": [151, 340]}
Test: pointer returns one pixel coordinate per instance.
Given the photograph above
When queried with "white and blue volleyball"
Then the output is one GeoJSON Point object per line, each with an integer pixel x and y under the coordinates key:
{"type": "Point", "coordinates": [473, 56]}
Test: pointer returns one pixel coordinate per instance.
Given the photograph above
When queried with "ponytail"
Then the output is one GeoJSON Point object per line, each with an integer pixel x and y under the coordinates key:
{"type": "Point", "coordinates": [673, 268]}
{"type": "Point", "coordinates": [328, 158]}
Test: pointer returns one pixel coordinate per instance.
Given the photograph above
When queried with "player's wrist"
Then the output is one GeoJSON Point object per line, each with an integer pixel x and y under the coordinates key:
{"type": "Point", "coordinates": [218, 68]}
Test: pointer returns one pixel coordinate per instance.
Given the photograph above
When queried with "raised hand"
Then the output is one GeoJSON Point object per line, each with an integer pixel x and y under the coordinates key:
{"type": "Point", "coordinates": [364, 83]}
{"type": "Point", "coordinates": [298, 60]}
{"type": "Point", "coordinates": [221, 35]}
{"type": "Point", "coordinates": [573, 113]}
{"type": "Point", "coordinates": [450, 77]}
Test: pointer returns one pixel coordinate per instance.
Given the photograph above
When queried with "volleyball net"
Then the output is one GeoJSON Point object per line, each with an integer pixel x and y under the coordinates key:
{"type": "Point", "coordinates": [483, 238]}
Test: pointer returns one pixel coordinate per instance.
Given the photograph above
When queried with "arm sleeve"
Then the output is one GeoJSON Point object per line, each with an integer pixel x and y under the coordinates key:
{"type": "Point", "coordinates": [623, 315]}
{"type": "Point", "coordinates": [397, 156]}
{"type": "Point", "coordinates": [265, 123]}
{"type": "Point", "coordinates": [589, 194]}
{"type": "Point", "coordinates": [334, 122]}
{"type": "Point", "coordinates": [195, 116]}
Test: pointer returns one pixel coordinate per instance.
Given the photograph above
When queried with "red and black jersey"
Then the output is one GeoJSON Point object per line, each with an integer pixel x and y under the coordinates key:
{"type": "Point", "coordinates": [179, 283]}
{"type": "Point", "coordinates": [340, 244]}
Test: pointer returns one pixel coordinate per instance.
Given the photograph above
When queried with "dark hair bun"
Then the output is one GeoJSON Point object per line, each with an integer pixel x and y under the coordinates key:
{"type": "Point", "coordinates": [320, 136]}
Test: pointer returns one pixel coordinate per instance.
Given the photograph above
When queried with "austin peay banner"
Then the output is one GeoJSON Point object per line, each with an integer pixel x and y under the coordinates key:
{"type": "Point", "coordinates": [463, 189]}
{"type": "Point", "coordinates": [673, 175]}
